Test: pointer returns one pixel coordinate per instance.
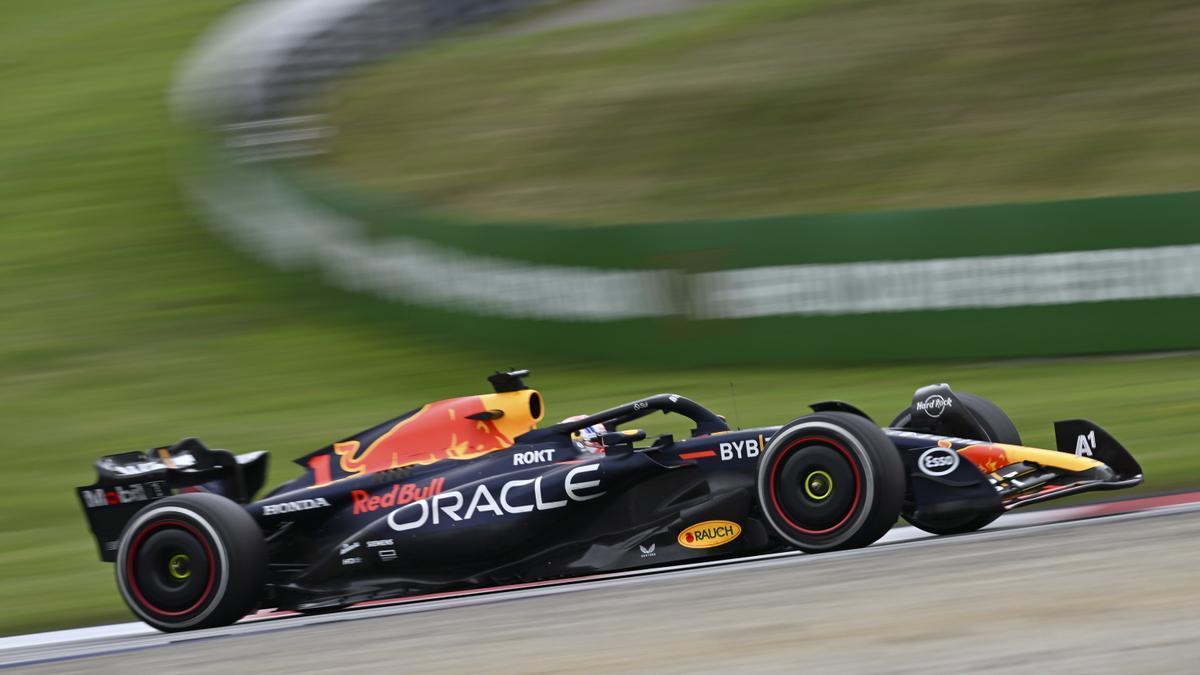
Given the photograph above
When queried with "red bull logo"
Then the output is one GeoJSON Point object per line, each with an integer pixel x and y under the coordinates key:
{"type": "Point", "coordinates": [438, 431]}
{"type": "Point", "coordinates": [399, 495]}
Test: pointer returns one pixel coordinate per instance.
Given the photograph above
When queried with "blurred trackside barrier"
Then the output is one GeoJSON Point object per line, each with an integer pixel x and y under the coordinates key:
{"type": "Point", "coordinates": [1075, 277]}
{"type": "Point", "coordinates": [265, 60]}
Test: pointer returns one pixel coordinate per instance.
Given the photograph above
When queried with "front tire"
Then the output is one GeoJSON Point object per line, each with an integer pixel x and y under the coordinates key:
{"type": "Point", "coordinates": [191, 561]}
{"type": "Point", "coordinates": [995, 424]}
{"type": "Point", "coordinates": [830, 481]}
{"type": "Point", "coordinates": [997, 427]}
{"type": "Point", "coordinates": [961, 524]}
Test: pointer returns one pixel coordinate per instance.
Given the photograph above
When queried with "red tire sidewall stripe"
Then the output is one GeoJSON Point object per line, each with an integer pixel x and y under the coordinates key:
{"type": "Point", "coordinates": [131, 556]}
{"type": "Point", "coordinates": [853, 466]}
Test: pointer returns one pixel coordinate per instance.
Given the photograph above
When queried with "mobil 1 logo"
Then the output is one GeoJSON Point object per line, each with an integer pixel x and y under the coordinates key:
{"type": "Point", "coordinates": [94, 498]}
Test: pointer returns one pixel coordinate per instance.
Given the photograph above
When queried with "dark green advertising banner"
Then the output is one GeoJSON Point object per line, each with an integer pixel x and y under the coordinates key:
{"type": "Point", "coordinates": [1075, 277]}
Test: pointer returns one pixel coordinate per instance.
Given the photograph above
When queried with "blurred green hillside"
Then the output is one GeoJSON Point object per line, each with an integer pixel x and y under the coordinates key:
{"type": "Point", "coordinates": [126, 325]}
{"type": "Point", "coordinates": [760, 107]}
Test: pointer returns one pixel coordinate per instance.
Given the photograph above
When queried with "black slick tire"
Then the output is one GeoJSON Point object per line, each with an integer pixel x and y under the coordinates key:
{"type": "Point", "coordinates": [830, 481]}
{"type": "Point", "coordinates": [994, 422]}
{"type": "Point", "coordinates": [191, 561]}
{"type": "Point", "coordinates": [998, 428]}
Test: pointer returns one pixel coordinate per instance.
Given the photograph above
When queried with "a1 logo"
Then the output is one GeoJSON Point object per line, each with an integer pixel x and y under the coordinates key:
{"type": "Point", "coordinates": [1085, 444]}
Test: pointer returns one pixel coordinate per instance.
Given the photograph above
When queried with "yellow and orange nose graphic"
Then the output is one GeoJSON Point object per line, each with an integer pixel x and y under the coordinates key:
{"type": "Point", "coordinates": [987, 457]}
{"type": "Point", "coordinates": [993, 456]}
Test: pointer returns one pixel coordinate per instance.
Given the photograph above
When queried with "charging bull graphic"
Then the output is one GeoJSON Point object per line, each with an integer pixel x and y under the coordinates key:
{"type": "Point", "coordinates": [437, 431]}
{"type": "Point", "coordinates": [457, 428]}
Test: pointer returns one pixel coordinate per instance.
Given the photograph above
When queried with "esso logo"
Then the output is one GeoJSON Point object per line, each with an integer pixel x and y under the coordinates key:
{"type": "Point", "coordinates": [937, 461]}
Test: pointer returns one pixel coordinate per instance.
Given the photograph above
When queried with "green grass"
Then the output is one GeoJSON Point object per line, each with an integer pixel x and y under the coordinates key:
{"type": "Point", "coordinates": [123, 324]}
{"type": "Point", "coordinates": [764, 107]}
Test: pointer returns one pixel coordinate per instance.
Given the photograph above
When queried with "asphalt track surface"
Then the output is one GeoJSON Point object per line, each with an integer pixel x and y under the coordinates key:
{"type": "Point", "coordinates": [1109, 593]}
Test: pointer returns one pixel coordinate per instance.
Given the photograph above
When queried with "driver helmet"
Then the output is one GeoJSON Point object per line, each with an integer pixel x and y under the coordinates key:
{"type": "Point", "coordinates": [587, 439]}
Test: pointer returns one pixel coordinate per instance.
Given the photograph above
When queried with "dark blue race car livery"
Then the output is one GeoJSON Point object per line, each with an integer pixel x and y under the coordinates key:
{"type": "Point", "coordinates": [471, 492]}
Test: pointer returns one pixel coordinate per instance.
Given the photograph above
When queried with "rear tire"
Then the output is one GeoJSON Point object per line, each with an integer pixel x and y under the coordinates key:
{"type": "Point", "coordinates": [191, 561]}
{"type": "Point", "coordinates": [996, 426]}
{"type": "Point", "coordinates": [830, 481]}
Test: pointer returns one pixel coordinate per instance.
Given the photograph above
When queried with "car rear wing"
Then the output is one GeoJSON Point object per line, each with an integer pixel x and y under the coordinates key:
{"type": "Point", "coordinates": [128, 481]}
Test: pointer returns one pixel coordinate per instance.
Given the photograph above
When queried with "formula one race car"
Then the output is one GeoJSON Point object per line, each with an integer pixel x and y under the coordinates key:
{"type": "Point", "coordinates": [468, 492]}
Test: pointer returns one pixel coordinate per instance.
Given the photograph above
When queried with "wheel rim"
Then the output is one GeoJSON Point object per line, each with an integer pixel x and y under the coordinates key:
{"type": "Point", "coordinates": [179, 566]}
{"type": "Point", "coordinates": [818, 485]}
{"type": "Point", "coordinates": [815, 485]}
{"type": "Point", "coordinates": [170, 568]}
